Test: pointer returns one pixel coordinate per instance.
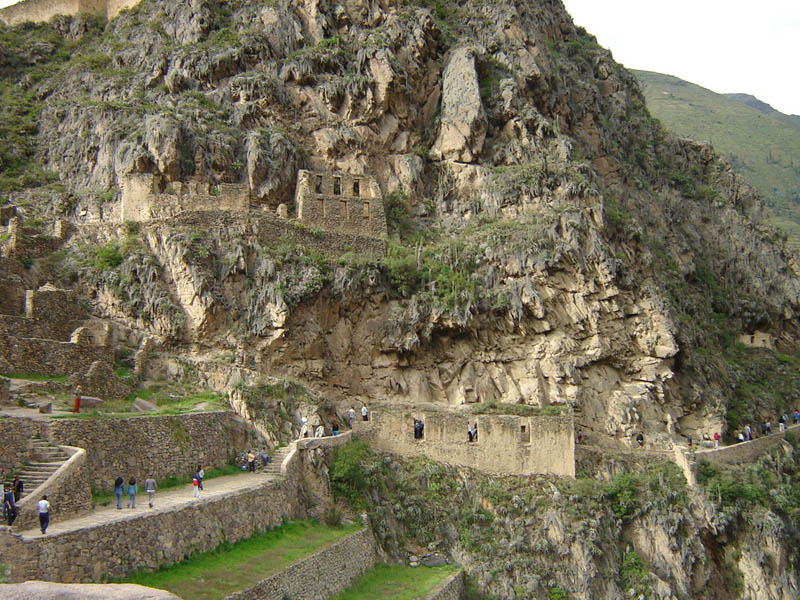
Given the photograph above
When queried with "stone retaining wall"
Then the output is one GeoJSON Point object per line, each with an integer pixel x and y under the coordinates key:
{"type": "Point", "coordinates": [452, 589]}
{"type": "Point", "coordinates": [15, 436]}
{"type": "Point", "coordinates": [152, 538]}
{"type": "Point", "coordinates": [49, 357]}
{"type": "Point", "coordinates": [745, 452]}
{"type": "Point", "coordinates": [67, 490]}
{"type": "Point", "coordinates": [320, 575]}
{"type": "Point", "coordinates": [152, 446]}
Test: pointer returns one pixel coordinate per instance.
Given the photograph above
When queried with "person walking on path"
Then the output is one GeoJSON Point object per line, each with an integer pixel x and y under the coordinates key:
{"type": "Point", "coordinates": [132, 490]}
{"type": "Point", "coordinates": [364, 413]}
{"type": "Point", "coordinates": [640, 439]}
{"type": "Point", "coordinates": [119, 484]}
{"type": "Point", "coordinates": [319, 431]}
{"type": "Point", "coordinates": [196, 486]}
{"type": "Point", "coordinates": [17, 486]}
{"type": "Point", "coordinates": [351, 416]}
{"type": "Point", "coordinates": [150, 487]}
{"type": "Point", "coordinates": [716, 440]}
{"type": "Point", "coordinates": [200, 474]}
{"type": "Point", "coordinates": [44, 514]}
{"type": "Point", "coordinates": [251, 461]}
{"type": "Point", "coordinates": [9, 506]}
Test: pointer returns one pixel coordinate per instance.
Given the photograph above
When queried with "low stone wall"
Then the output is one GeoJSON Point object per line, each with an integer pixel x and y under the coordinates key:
{"type": "Point", "coordinates": [5, 393]}
{"type": "Point", "coordinates": [12, 295]}
{"type": "Point", "coordinates": [152, 446]}
{"type": "Point", "coordinates": [507, 445]}
{"type": "Point", "coordinates": [745, 452]}
{"type": "Point", "coordinates": [452, 589]}
{"type": "Point", "coordinates": [67, 490]}
{"type": "Point", "coordinates": [150, 539]}
{"type": "Point", "coordinates": [320, 575]}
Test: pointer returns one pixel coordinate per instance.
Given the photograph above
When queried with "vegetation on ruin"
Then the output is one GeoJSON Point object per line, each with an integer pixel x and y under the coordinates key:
{"type": "Point", "coordinates": [235, 567]}
{"type": "Point", "coordinates": [395, 582]}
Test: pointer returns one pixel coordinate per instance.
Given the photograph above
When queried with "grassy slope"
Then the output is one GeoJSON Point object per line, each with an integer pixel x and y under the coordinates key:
{"type": "Point", "coordinates": [392, 582]}
{"type": "Point", "coordinates": [231, 568]}
{"type": "Point", "coordinates": [760, 146]}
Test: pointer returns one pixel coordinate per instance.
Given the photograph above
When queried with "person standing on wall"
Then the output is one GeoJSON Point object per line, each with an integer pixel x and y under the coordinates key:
{"type": "Point", "coordinates": [44, 514]}
{"type": "Point", "coordinates": [150, 487]}
{"type": "Point", "coordinates": [364, 413]}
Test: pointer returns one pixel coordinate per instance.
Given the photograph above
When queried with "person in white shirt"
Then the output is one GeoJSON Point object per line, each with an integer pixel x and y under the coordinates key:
{"type": "Point", "coordinates": [319, 431]}
{"type": "Point", "coordinates": [44, 514]}
{"type": "Point", "coordinates": [364, 413]}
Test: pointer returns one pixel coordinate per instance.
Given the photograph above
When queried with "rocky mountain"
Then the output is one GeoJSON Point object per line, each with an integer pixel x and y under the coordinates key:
{"type": "Point", "coordinates": [549, 243]}
{"type": "Point", "coordinates": [761, 144]}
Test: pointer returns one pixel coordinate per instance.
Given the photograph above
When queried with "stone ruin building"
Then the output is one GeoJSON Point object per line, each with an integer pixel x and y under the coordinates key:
{"type": "Point", "coordinates": [340, 202]}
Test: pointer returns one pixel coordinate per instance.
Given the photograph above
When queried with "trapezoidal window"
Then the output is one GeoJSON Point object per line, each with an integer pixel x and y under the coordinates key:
{"type": "Point", "coordinates": [337, 186]}
{"type": "Point", "coordinates": [356, 188]}
{"type": "Point", "coordinates": [366, 210]}
{"type": "Point", "coordinates": [318, 186]}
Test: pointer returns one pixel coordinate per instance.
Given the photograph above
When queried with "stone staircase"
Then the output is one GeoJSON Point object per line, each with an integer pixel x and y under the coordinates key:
{"type": "Point", "coordinates": [46, 458]}
{"type": "Point", "coordinates": [273, 468]}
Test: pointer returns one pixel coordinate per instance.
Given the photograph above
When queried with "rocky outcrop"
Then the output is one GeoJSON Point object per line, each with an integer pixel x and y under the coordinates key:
{"type": "Point", "coordinates": [463, 122]}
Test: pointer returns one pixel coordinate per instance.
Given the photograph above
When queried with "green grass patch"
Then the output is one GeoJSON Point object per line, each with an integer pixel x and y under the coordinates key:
{"type": "Point", "coordinates": [234, 567]}
{"type": "Point", "coordinates": [36, 377]}
{"type": "Point", "coordinates": [392, 582]}
{"type": "Point", "coordinates": [520, 410]}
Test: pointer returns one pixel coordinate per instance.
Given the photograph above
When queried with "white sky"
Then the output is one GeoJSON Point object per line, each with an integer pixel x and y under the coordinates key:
{"type": "Point", "coordinates": [723, 45]}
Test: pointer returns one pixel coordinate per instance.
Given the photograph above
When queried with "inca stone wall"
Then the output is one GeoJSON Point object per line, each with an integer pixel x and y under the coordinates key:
{"type": "Point", "coordinates": [16, 434]}
{"type": "Point", "coordinates": [452, 589]}
{"type": "Point", "coordinates": [44, 10]}
{"type": "Point", "coordinates": [152, 446]}
{"type": "Point", "coordinates": [507, 445]}
{"type": "Point", "coordinates": [340, 202]}
{"type": "Point", "coordinates": [320, 575]}
{"type": "Point", "coordinates": [745, 452]}
{"type": "Point", "coordinates": [146, 196]}
{"type": "Point", "coordinates": [68, 491]}
{"type": "Point", "coordinates": [49, 357]}
{"type": "Point", "coordinates": [149, 539]}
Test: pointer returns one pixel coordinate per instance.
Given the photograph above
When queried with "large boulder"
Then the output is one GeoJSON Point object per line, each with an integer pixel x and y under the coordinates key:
{"type": "Point", "coordinates": [463, 126]}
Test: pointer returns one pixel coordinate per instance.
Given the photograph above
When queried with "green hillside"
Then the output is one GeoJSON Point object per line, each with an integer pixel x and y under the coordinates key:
{"type": "Point", "coordinates": [762, 144]}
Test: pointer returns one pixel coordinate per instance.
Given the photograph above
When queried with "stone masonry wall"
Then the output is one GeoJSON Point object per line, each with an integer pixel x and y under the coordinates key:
{"type": "Point", "coordinates": [745, 452]}
{"type": "Point", "coordinates": [49, 357]}
{"type": "Point", "coordinates": [67, 490]}
{"type": "Point", "coordinates": [340, 202]}
{"type": "Point", "coordinates": [22, 327]}
{"type": "Point", "coordinates": [43, 10]}
{"type": "Point", "coordinates": [546, 446]}
{"type": "Point", "coordinates": [320, 575]}
{"type": "Point", "coordinates": [452, 589]}
{"type": "Point", "coordinates": [152, 538]}
{"type": "Point", "coordinates": [152, 446]}
{"type": "Point", "coordinates": [15, 436]}
{"type": "Point", "coordinates": [143, 197]}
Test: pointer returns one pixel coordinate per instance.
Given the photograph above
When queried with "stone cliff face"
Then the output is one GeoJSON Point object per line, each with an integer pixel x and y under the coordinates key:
{"type": "Point", "coordinates": [549, 242]}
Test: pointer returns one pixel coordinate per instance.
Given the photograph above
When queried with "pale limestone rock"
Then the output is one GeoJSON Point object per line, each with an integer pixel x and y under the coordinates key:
{"type": "Point", "coordinates": [40, 590]}
{"type": "Point", "coordinates": [463, 127]}
{"type": "Point", "coordinates": [163, 138]}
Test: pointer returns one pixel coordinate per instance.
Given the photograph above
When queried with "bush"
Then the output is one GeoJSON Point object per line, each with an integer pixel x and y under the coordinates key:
{"type": "Point", "coordinates": [108, 257]}
{"type": "Point", "coordinates": [349, 471]}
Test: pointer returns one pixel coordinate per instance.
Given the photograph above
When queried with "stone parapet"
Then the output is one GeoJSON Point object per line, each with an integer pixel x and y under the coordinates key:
{"type": "Point", "coordinates": [67, 488]}
{"type": "Point", "coordinates": [451, 589]}
{"type": "Point", "coordinates": [320, 575]}
{"type": "Point", "coordinates": [745, 452]}
{"type": "Point", "coordinates": [149, 539]}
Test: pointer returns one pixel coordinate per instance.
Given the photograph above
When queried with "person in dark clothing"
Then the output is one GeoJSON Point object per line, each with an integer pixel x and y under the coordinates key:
{"type": "Point", "coordinates": [640, 439]}
{"type": "Point", "coordinates": [9, 506]}
{"type": "Point", "coordinates": [119, 484]}
{"type": "Point", "coordinates": [18, 487]}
